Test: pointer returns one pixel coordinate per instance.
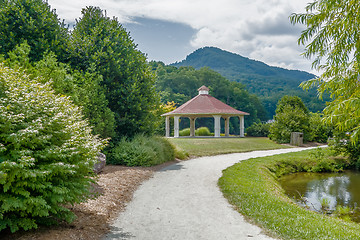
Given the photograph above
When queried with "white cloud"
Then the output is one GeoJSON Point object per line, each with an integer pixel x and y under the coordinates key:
{"type": "Point", "coordinates": [258, 29]}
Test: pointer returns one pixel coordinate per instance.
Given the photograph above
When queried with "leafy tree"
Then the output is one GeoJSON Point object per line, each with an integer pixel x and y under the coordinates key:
{"type": "Point", "coordinates": [319, 132]}
{"type": "Point", "coordinates": [47, 153]}
{"type": "Point", "coordinates": [332, 38]}
{"type": "Point", "coordinates": [32, 21]}
{"type": "Point", "coordinates": [291, 116]}
{"type": "Point", "coordinates": [103, 43]}
{"type": "Point", "coordinates": [84, 88]}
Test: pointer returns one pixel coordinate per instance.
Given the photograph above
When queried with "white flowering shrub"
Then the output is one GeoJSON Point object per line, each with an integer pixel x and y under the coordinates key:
{"type": "Point", "coordinates": [47, 153]}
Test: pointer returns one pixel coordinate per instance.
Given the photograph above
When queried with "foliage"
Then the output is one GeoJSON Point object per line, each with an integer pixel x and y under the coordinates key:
{"type": "Point", "coordinates": [291, 116]}
{"type": "Point", "coordinates": [318, 160]}
{"type": "Point", "coordinates": [214, 146]}
{"type": "Point", "coordinates": [342, 145]}
{"type": "Point", "coordinates": [252, 188]}
{"type": "Point", "coordinates": [332, 39]}
{"type": "Point", "coordinates": [184, 132]}
{"type": "Point", "coordinates": [128, 83]}
{"type": "Point", "coordinates": [180, 85]}
{"type": "Point", "coordinates": [34, 22]}
{"type": "Point", "coordinates": [267, 82]}
{"type": "Point", "coordinates": [83, 88]}
{"type": "Point", "coordinates": [202, 131]}
{"type": "Point", "coordinates": [142, 151]}
{"type": "Point", "coordinates": [258, 129]}
{"type": "Point", "coordinates": [164, 108]}
{"type": "Point", "coordinates": [319, 132]}
{"type": "Point", "coordinates": [47, 153]}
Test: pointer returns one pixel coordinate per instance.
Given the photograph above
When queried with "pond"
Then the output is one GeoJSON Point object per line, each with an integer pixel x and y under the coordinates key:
{"type": "Point", "coordinates": [310, 190]}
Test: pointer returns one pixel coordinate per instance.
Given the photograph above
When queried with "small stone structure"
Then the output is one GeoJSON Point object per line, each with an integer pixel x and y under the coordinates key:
{"type": "Point", "coordinates": [99, 166]}
{"type": "Point", "coordinates": [204, 105]}
{"type": "Point", "coordinates": [297, 139]}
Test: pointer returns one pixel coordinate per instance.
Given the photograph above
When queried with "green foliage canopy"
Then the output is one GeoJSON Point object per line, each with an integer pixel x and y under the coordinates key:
{"type": "Point", "coordinates": [47, 153]}
{"type": "Point", "coordinates": [291, 116]}
{"type": "Point", "coordinates": [84, 88]}
{"type": "Point", "coordinates": [332, 37]}
{"type": "Point", "coordinates": [103, 43]}
{"type": "Point", "coordinates": [32, 21]}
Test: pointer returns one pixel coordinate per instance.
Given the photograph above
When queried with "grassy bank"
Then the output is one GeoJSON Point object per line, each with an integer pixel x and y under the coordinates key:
{"type": "Point", "coordinates": [252, 187]}
{"type": "Point", "coordinates": [196, 147]}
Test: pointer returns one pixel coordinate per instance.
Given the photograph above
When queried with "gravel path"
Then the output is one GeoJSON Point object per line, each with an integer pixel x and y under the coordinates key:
{"type": "Point", "coordinates": [183, 201]}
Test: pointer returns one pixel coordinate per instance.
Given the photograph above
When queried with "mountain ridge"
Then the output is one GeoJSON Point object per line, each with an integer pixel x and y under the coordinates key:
{"type": "Point", "coordinates": [268, 82]}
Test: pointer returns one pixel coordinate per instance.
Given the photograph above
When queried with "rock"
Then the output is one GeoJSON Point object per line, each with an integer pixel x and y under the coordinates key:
{"type": "Point", "coordinates": [99, 166]}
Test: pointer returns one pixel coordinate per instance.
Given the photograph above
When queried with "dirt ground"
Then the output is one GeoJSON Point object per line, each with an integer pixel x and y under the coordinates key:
{"type": "Point", "coordinates": [116, 184]}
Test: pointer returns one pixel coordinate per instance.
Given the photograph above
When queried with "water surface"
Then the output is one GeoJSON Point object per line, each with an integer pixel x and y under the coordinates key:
{"type": "Point", "coordinates": [309, 189]}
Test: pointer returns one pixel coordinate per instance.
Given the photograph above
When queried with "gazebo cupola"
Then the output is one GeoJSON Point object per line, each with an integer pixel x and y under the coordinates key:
{"type": "Point", "coordinates": [204, 105]}
{"type": "Point", "coordinates": [203, 90]}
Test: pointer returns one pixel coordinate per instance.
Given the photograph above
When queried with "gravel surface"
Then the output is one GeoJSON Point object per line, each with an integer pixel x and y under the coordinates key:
{"type": "Point", "coordinates": [183, 201]}
{"type": "Point", "coordinates": [116, 184]}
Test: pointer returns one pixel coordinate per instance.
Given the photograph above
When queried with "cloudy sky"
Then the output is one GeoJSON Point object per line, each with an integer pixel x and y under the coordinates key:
{"type": "Point", "coordinates": [168, 30]}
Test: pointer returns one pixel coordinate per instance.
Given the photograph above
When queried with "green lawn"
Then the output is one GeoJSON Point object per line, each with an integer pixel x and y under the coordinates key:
{"type": "Point", "coordinates": [195, 147]}
{"type": "Point", "coordinates": [251, 186]}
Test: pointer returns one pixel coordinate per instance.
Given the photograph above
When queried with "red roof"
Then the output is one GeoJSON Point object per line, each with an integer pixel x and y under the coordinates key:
{"type": "Point", "coordinates": [203, 88]}
{"type": "Point", "coordinates": [205, 104]}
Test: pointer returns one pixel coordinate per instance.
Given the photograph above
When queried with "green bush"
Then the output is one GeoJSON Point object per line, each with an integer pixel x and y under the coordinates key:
{"type": "Point", "coordinates": [47, 153]}
{"type": "Point", "coordinates": [291, 116]}
{"type": "Point", "coordinates": [142, 151]}
{"type": "Point", "coordinates": [202, 131]}
{"type": "Point", "coordinates": [185, 132]}
{"type": "Point", "coordinates": [258, 130]}
{"type": "Point", "coordinates": [319, 132]}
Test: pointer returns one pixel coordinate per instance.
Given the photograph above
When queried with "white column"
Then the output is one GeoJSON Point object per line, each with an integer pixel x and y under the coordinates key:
{"type": "Point", "coordinates": [241, 118]}
{"type": "Point", "coordinates": [176, 126]}
{"type": "Point", "coordinates": [192, 126]}
{"type": "Point", "coordinates": [167, 126]}
{"type": "Point", "coordinates": [227, 125]}
{"type": "Point", "coordinates": [217, 125]}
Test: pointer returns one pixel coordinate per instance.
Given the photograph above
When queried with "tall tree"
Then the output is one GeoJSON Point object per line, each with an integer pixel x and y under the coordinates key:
{"type": "Point", "coordinates": [32, 21]}
{"type": "Point", "coordinates": [84, 88]}
{"type": "Point", "coordinates": [332, 38]}
{"type": "Point", "coordinates": [291, 116]}
{"type": "Point", "coordinates": [129, 84]}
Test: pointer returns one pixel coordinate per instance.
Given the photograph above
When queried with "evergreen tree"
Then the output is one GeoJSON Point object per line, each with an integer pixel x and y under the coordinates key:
{"type": "Point", "coordinates": [84, 88]}
{"type": "Point", "coordinates": [103, 43]}
{"type": "Point", "coordinates": [32, 21]}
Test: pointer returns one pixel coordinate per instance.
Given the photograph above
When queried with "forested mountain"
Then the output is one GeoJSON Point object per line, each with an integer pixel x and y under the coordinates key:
{"type": "Point", "coordinates": [269, 83]}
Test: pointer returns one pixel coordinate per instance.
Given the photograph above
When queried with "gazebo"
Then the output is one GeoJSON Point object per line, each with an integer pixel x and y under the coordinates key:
{"type": "Point", "coordinates": [204, 105]}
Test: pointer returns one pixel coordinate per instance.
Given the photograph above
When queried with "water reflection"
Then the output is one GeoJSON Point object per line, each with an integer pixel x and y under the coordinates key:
{"type": "Point", "coordinates": [337, 188]}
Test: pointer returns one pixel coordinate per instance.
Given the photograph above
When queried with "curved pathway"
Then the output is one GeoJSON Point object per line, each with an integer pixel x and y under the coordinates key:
{"type": "Point", "coordinates": [183, 201]}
